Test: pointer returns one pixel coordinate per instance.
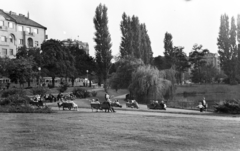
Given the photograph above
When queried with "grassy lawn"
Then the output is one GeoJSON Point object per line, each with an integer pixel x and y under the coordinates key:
{"type": "Point", "coordinates": [105, 131]}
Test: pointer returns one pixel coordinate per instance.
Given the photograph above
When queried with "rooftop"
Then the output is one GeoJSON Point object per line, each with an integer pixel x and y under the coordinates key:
{"type": "Point", "coordinates": [22, 19]}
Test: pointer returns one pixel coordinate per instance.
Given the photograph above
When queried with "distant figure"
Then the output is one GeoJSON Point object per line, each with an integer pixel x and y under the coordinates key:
{"type": "Point", "coordinates": [204, 103]}
{"type": "Point", "coordinates": [200, 106]}
{"type": "Point", "coordinates": [106, 96]}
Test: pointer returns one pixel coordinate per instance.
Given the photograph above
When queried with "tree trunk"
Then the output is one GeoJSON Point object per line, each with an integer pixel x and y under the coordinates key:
{"type": "Point", "coordinates": [29, 82]}
{"type": "Point", "coordinates": [53, 82]}
{"type": "Point", "coordinates": [72, 79]}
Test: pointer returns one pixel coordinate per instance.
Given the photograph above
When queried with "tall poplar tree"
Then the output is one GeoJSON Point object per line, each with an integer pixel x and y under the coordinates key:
{"type": "Point", "coordinates": [227, 47]}
{"type": "Point", "coordinates": [135, 39]}
{"type": "Point", "coordinates": [168, 46]}
{"type": "Point", "coordinates": [103, 43]}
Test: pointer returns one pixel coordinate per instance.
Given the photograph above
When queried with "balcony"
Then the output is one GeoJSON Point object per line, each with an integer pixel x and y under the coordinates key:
{"type": "Point", "coordinates": [29, 34]}
{"type": "Point", "coordinates": [3, 28]}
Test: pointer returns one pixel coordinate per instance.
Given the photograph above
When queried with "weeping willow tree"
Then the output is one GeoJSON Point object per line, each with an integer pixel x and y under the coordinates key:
{"type": "Point", "coordinates": [148, 83]}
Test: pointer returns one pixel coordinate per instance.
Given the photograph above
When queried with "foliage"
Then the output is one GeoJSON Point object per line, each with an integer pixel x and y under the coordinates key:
{"type": "Point", "coordinates": [123, 76]}
{"type": "Point", "coordinates": [196, 59]}
{"type": "Point", "coordinates": [168, 48]}
{"type": "Point", "coordinates": [15, 99]}
{"type": "Point", "coordinates": [160, 62]}
{"type": "Point", "coordinates": [56, 59]}
{"type": "Point", "coordinates": [229, 106]}
{"type": "Point", "coordinates": [21, 69]}
{"type": "Point", "coordinates": [228, 47]}
{"type": "Point", "coordinates": [25, 109]}
{"type": "Point", "coordinates": [9, 92]}
{"type": "Point", "coordinates": [94, 93]}
{"type": "Point", "coordinates": [4, 65]}
{"type": "Point", "coordinates": [135, 39]}
{"type": "Point", "coordinates": [81, 93]}
{"type": "Point", "coordinates": [103, 43]}
{"type": "Point", "coordinates": [63, 87]}
{"type": "Point", "coordinates": [148, 82]}
{"type": "Point", "coordinates": [209, 73]}
{"type": "Point", "coordinates": [40, 91]}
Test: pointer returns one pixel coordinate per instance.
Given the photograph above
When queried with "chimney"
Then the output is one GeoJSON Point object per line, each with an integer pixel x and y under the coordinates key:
{"type": "Point", "coordinates": [28, 15]}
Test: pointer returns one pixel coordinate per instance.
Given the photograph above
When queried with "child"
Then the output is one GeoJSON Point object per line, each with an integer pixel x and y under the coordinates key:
{"type": "Point", "coordinates": [200, 106]}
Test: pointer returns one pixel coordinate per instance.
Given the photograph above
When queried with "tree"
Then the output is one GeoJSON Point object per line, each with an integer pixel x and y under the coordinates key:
{"type": "Point", "coordinates": [147, 54]}
{"type": "Point", "coordinates": [123, 76]}
{"type": "Point", "coordinates": [135, 39]}
{"type": "Point", "coordinates": [168, 48]}
{"type": "Point", "coordinates": [103, 43]}
{"type": "Point", "coordinates": [196, 59]}
{"type": "Point", "coordinates": [160, 62]}
{"type": "Point", "coordinates": [34, 53]}
{"type": "Point", "coordinates": [238, 54]}
{"type": "Point", "coordinates": [126, 44]}
{"type": "Point", "coordinates": [55, 58]}
{"type": "Point", "coordinates": [4, 65]}
{"type": "Point", "coordinates": [148, 84]}
{"type": "Point", "coordinates": [227, 47]}
{"type": "Point", "coordinates": [180, 62]}
{"type": "Point", "coordinates": [20, 70]}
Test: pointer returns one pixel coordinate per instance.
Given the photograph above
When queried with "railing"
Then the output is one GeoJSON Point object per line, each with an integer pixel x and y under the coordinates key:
{"type": "Point", "coordinates": [3, 28]}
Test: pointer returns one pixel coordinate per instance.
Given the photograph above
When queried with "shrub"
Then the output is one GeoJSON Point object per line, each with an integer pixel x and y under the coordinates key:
{"type": "Point", "coordinates": [63, 87]}
{"type": "Point", "coordinates": [40, 91]}
{"type": "Point", "coordinates": [228, 106]}
{"type": "Point", "coordinates": [25, 109]}
{"type": "Point", "coordinates": [94, 93]}
{"type": "Point", "coordinates": [15, 99]}
{"type": "Point", "coordinates": [81, 93]}
{"type": "Point", "coordinates": [10, 92]}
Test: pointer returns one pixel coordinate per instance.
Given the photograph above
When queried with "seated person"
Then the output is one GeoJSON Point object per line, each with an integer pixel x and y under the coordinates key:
{"type": "Point", "coordinates": [200, 106]}
{"type": "Point", "coordinates": [117, 102]}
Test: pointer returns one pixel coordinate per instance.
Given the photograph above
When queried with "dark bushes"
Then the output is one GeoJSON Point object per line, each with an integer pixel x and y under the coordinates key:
{"type": "Point", "coordinates": [228, 106]}
{"type": "Point", "coordinates": [94, 93]}
{"type": "Point", "coordinates": [40, 91]}
{"type": "Point", "coordinates": [81, 93]}
{"type": "Point", "coordinates": [63, 87]}
{"type": "Point", "coordinates": [10, 92]}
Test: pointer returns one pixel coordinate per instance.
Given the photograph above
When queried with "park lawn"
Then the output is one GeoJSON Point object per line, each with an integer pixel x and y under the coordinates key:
{"type": "Point", "coordinates": [87, 131]}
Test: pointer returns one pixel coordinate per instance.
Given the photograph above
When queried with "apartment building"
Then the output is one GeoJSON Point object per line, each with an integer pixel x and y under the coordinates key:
{"type": "Point", "coordinates": [213, 59]}
{"type": "Point", "coordinates": [79, 44]}
{"type": "Point", "coordinates": [17, 30]}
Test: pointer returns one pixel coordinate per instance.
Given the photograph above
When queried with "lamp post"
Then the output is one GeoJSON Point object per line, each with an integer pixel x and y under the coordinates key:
{"type": "Point", "coordinates": [39, 75]}
{"type": "Point", "coordinates": [87, 77]}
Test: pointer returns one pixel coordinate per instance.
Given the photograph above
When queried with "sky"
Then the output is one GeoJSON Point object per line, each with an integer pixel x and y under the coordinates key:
{"type": "Point", "coordinates": [189, 21]}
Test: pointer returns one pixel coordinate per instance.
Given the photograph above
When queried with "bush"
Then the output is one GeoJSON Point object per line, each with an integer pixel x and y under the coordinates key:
{"type": "Point", "coordinates": [15, 99]}
{"type": "Point", "coordinates": [81, 93]}
{"type": "Point", "coordinates": [25, 109]}
{"type": "Point", "coordinates": [94, 93]}
{"type": "Point", "coordinates": [10, 92]}
{"type": "Point", "coordinates": [228, 106]}
{"type": "Point", "coordinates": [63, 87]}
{"type": "Point", "coordinates": [40, 91]}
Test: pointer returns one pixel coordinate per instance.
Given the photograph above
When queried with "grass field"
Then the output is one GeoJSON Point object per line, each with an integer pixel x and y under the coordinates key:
{"type": "Point", "coordinates": [87, 131]}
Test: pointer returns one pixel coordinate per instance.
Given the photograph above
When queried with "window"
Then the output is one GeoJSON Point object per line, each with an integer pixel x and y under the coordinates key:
{"type": "Point", "coordinates": [35, 30]}
{"type": "Point", "coordinates": [11, 52]}
{"type": "Point", "coordinates": [10, 24]}
{"type": "Point", "coordinates": [1, 23]}
{"type": "Point", "coordinates": [21, 41]}
{"type": "Point", "coordinates": [4, 51]}
{"type": "Point", "coordinates": [11, 39]}
{"type": "Point", "coordinates": [36, 43]}
{"type": "Point", "coordinates": [28, 29]}
{"type": "Point", "coordinates": [4, 38]}
{"type": "Point", "coordinates": [20, 28]}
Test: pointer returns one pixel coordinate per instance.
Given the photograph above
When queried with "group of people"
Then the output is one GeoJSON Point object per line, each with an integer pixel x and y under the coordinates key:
{"type": "Point", "coordinates": [202, 105]}
{"type": "Point", "coordinates": [162, 104]}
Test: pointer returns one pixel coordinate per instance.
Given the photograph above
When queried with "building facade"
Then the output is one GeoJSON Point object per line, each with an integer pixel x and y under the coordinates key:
{"type": "Point", "coordinates": [79, 44]}
{"type": "Point", "coordinates": [213, 59]}
{"type": "Point", "coordinates": [17, 31]}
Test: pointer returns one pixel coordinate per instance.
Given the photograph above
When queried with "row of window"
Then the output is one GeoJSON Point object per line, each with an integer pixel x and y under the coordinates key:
{"type": "Point", "coordinates": [5, 52]}
{"type": "Point", "coordinates": [20, 41]}
{"type": "Point", "coordinates": [20, 28]}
